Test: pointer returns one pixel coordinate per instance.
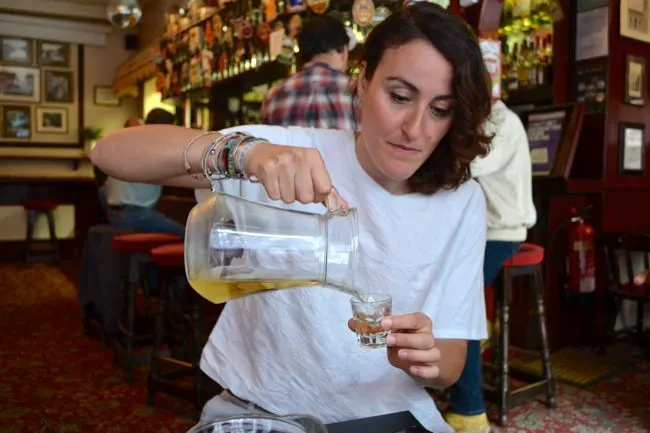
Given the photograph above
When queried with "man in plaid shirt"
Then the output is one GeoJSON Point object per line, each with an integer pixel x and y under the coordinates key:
{"type": "Point", "coordinates": [317, 96]}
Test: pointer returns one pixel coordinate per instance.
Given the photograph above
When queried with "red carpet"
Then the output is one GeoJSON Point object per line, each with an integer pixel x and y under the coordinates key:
{"type": "Point", "coordinates": [52, 374]}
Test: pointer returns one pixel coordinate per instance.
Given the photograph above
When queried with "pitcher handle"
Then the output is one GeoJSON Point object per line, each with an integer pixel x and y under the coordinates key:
{"type": "Point", "coordinates": [334, 201]}
{"type": "Point", "coordinates": [310, 423]}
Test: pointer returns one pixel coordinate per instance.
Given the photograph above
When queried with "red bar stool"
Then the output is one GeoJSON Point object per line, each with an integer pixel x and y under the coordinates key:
{"type": "Point", "coordinates": [34, 209]}
{"type": "Point", "coordinates": [129, 246]}
{"type": "Point", "coordinates": [526, 263]}
{"type": "Point", "coordinates": [178, 312]}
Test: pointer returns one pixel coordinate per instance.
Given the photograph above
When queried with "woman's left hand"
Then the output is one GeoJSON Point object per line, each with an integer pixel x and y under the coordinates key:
{"type": "Point", "coordinates": [411, 346]}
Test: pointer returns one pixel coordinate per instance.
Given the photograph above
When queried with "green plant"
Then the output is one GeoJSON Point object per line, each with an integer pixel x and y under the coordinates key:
{"type": "Point", "coordinates": [92, 134]}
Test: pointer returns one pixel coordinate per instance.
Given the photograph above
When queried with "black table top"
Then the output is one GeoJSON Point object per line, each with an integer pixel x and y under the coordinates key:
{"type": "Point", "coordinates": [401, 422]}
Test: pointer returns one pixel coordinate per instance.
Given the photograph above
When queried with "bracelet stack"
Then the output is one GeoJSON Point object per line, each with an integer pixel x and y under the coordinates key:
{"type": "Point", "coordinates": [224, 158]}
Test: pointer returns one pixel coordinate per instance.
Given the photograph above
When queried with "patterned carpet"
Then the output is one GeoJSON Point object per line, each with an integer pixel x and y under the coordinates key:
{"type": "Point", "coordinates": [53, 376]}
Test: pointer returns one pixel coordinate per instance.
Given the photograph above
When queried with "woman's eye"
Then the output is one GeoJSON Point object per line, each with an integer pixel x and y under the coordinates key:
{"type": "Point", "coordinates": [400, 99]}
{"type": "Point", "coordinates": [441, 112]}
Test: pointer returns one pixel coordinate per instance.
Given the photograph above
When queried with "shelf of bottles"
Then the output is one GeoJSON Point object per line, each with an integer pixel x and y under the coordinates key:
{"type": "Point", "coordinates": [208, 43]}
{"type": "Point", "coordinates": [526, 34]}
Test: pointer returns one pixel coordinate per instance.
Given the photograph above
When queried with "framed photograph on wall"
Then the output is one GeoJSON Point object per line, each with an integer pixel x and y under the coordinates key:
{"type": "Point", "coordinates": [53, 54]}
{"type": "Point", "coordinates": [631, 143]}
{"type": "Point", "coordinates": [58, 86]}
{"type": "Point", "coordinates": [17, 122]}
{"type": "Point", "coordinates": [635, 80]}
{"type": "Point", "coordinates": [104, 96]}
{"type": "Point", "coordinates": [52, 120]}
{"type": "Point", "coordinates": [18, 51]}
{"type": "Point", "coordinates": [19, 84]}
{"type": "Point", "coordinates": [635, 19]}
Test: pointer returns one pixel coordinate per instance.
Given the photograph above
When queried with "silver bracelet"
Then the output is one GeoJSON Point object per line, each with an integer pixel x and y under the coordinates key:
{"type": "Point", "coordinates": [186, 163]}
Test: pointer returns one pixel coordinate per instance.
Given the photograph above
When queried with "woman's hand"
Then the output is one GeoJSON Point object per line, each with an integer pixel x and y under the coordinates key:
{"type": "Point", "coordinates": [411, 346]}
{"type": "Point", "coordinates": [289, 173]}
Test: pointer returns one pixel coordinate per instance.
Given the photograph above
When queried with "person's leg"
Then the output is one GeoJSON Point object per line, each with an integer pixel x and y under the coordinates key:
{"type": "Point", "coordinates": [150, 220]}
{"type": "Point", "coordinates": [467, 404]}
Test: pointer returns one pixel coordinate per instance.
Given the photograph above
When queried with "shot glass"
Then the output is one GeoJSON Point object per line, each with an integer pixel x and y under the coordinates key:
{"type": "Point", "coordinates": [368, 310]}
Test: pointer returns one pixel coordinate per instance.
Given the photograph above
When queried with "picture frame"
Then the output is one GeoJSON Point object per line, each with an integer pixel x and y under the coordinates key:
{"type": "Point", "coordinates": [19, 84]}
{"type": "Point", "coordinates": [635, 80]}
{"type": "Point", "coordinates": [53, 54]}
{"type": "Point", "coordinates": [58, 86]}
{"type": "Point", "coordinates": [553, 132]}
{"type": "Point", "coordinates": [104, 96]}
{"type": "Point", "coordinates": [16, 51]}
{"type": "Point", "coordinates": [631, 160]}
{"type": "Point", "coordinates": [16, 122]}
{"type": "Point", "coordinates": [635, 19]}
{"type": "Point", "coordinates": [52, 120]}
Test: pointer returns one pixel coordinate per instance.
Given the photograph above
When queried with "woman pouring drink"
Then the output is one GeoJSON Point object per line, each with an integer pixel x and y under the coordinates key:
{"type": "Point", "coordinates": [424, 94]}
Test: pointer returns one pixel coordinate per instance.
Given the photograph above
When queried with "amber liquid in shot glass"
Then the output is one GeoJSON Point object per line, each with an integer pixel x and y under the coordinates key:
{"type": "Point", "coordinates": [368, 311]}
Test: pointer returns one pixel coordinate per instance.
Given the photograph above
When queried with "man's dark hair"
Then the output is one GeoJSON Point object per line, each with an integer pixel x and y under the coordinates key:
{"type": "Point", "coordinates": [321, 34]}
{"type": "Point", "coordinates": [159, 116]}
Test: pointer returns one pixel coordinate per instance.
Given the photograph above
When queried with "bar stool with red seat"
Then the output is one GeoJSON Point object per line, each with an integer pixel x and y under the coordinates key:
{"type": "Point", "coordinates": [130, 246]}
{"type": "Point", "coordinates": [187, 304]}
{"type": "Point", "coordinates": [35, 209]}
{"type": "Point", "coordinates": [526, 263]}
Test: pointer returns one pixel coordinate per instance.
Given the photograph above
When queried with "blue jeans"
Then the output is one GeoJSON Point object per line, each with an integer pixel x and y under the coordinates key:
{"type": "Point", "coordinates": [144, 220]}
{"type": "Point", "coordinates": [101, 196]}
{"type": "Point", "coordinates": [466, 396]}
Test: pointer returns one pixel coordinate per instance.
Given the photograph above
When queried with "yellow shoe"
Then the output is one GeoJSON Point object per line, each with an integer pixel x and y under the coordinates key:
{"type": "Point", "coordinates": [468, 423]}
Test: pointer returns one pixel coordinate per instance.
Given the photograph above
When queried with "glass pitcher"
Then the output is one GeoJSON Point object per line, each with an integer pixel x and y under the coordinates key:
{"type": "Point", "coordinates": [262, 424]}
{"type": "Point", "coordinates": [236, 247]}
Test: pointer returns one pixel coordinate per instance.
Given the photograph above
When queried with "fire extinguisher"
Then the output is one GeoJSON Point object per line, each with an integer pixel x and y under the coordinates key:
{"type": "Point", "coordinates": [581, 258]}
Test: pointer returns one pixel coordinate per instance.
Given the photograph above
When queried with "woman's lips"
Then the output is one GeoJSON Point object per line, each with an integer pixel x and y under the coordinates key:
{"type": "Point", "coordinates": [404, 148]}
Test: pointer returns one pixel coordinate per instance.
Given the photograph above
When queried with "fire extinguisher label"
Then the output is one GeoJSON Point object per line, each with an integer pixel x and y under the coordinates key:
{"type": "Point", "coordinates": [582, 245]}
{"type": "Point", "coordinates": [587, 284]}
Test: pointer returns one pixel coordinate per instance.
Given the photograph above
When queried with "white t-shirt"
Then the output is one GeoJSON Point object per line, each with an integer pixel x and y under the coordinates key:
{"type": "Point", "coordinates": [291, 351]}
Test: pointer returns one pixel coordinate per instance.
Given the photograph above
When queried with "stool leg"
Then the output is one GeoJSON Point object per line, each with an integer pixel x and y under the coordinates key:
{"type": "Point", "coordinates": [131, 291]}
{"type": "Point", "coordinates": [504, 344]}
{"type": "Point", "coordinates": [159, 332]}
{"type": "Point", "coordinates": [53, 240]}
{"type": "Point", "coordinates": [29, 238]}
{"type": "Point", "coordinates": [541, 320]}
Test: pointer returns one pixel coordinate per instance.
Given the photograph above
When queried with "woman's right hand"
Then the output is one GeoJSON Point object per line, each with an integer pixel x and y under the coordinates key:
{"type": "Point", "coordinates": [290, 173]}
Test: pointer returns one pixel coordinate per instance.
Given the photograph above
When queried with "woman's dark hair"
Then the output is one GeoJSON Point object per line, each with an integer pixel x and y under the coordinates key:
{"type": "Point", "coordinates": [448, 165]}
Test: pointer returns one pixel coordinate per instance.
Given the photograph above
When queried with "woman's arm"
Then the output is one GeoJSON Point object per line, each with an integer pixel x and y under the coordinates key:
{"type": "Point", "coordinates": [151, 154]}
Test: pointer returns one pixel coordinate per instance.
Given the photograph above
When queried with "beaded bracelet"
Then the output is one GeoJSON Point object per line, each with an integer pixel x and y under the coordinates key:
{"type": "Point", "coordinates": [224, 157]}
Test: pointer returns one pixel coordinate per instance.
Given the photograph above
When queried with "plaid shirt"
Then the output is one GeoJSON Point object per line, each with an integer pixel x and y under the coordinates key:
{"type": "Point", "coordinates": [316, 97]}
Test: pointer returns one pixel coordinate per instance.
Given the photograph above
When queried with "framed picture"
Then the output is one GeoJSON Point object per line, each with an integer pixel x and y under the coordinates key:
{"type": "Point", "coordinates": [19, 84]}
{"type": "Point", "coordinates": [53, 54]}
{"type": "Point", "coordinates": [17, 122]}
{"type": "Point", "coordinates": [57, 86]}
{"type": "Point", "coordinates": [631, 159]}
{"type": "Point", "coordinates": [553, 134]}
{"type": "Point", "coordinates": [52, 120]}
{"type": "Point", "coordinates": [635, 19]}
{"type": "Point", "coordinates": [18, 51]}
{"type": "Point", "coordinates": [103, 95]}
{"type": "Point", "coordinates": [635, 86]}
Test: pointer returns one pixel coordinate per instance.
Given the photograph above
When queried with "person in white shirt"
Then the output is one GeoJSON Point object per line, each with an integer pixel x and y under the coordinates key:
{"type": "Point", "coordinates": [132, 205]}
{"type": "Point", "coordinates": [424, 96]}
{"type": "Point", "coordinates": [505, 175]}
